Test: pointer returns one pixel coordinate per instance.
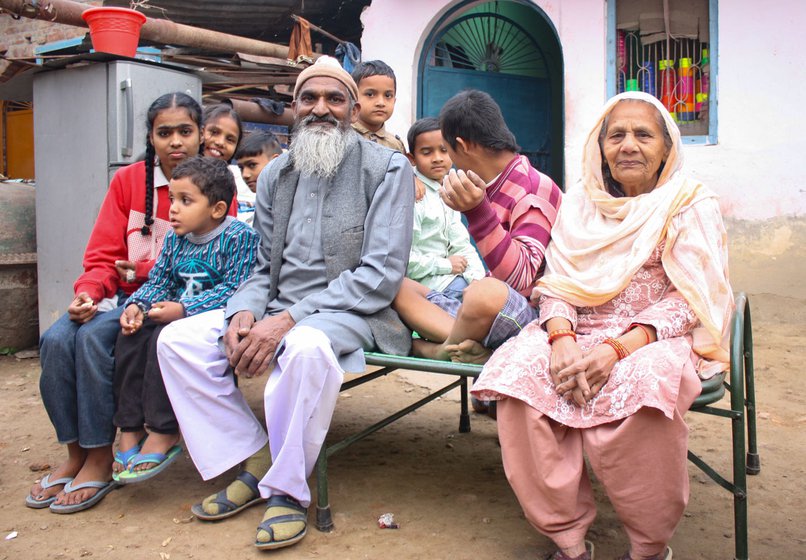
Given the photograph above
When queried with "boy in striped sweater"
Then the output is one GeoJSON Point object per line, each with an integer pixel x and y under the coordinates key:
{"type": "Point", "coordinates": [510, 208]}
{"type": "Point", "coordinates": [203, 261]}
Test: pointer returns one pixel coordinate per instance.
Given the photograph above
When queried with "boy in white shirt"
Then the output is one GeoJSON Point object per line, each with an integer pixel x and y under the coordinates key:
{"type": "Point", "coordinates": [442, 262]}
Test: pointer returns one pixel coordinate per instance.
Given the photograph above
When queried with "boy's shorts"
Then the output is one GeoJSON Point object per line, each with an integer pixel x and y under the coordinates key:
{"type": "Point", "coordinates": [516, 314]}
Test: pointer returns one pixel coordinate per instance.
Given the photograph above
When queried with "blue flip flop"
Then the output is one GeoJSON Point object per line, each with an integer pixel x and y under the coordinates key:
{"type": "Point", "coordinates": [162, 461]}
{"type": "Point", "coordinates": [124, 458]}
{"type": "Point", "coordinates": [104, 488]}
{"type": "Point", "coordinates": [46, 483]}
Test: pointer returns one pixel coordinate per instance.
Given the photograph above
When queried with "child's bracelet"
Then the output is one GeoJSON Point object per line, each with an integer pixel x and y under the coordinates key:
{"type": "Point", "coordinates": [554, 335]}
{"type": "Point", "coordinates": [143, 308]}
{"type": "Point", "coordinates": [621, 350]}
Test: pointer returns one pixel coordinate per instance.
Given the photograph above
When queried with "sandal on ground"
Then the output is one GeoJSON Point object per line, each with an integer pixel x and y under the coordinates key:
{"type": "Point", "coordinates": [301, 516]}
{"type": "Point", "coordinates": [587, 555]}
{"type": "Point", "coordinates": [479, 406]}
{"type": "Point", "coordinates": [665, 555]}
{"type": "Point", "coordinates": [124, 458]}
{"type": "Point", "coordinates": [103, 489]}
{"type": "Point", "coordinates": [226, 507]}
{"type": "Point", "coordinates": [46, 483]}
{"type": "Point", "coordinates": [161, 462]}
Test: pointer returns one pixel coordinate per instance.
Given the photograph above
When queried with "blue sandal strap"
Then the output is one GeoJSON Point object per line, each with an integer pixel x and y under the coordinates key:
{"type": "Point", "coordinates": [46, 482]}
{"type": "Point", "coordinates": [250, 480]}
{"type": "Point", "coordinates": [149, 458]}
{"type": "Point", "coordinates": [90, 484]}
{"type": "Point", "coordinates": [124, 457]}
{"type": "Point", "coordinates": [282, 500]}
{"type": "Point", "coordinates": [288, 518]}
{"type": "Point", "coordinates": [222, 500]}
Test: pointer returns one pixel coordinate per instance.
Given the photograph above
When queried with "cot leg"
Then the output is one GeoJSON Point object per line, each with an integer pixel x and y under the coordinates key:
{"type": "Point", "coordinates": [753, 459]}
{"type": "Point", "coordinates": [324, 519]}
{"type": "Point", "coordinates": [740, 491]}
{"type": "Point", "coordinates": [464, 417]}
{"type": "Point", "coordinates": [739, 469]}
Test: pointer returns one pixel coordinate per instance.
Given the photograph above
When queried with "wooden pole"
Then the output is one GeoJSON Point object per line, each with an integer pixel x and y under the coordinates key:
{"type": "Point", "coordinates": [156, 30]}
{"type": "Point", "coordinates": [251, 111]}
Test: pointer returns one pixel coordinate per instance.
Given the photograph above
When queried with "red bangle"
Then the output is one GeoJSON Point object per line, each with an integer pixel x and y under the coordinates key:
{"type": "Point", "coordinates": [621, 350]}
{"type": "Point", "coordinates": [554, 335]}
{"type": "Point", "coordinates": [645, 330]}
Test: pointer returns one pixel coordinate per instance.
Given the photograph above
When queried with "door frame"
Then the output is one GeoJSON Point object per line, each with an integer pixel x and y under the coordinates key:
{"type": "Point", "coordinates": [450, 15]}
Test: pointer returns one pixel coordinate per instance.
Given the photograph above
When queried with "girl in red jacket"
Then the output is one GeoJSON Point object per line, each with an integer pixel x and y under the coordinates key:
{"type": "Point", "coordinates": [77, 351]}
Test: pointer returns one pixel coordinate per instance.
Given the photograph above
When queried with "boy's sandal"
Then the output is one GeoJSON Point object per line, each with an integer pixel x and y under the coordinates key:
{"type": "Point", "coordinates": [226, 507]}
{"type": "Point", "coordinates": [161, 462]}
{"type": "Point", "coordinates": [301, 516]}
{"type": "Point", "coordinates": [587, 555]}
{"type": "Point", "coordinates": [123, 458]}
{"type": "Point", "coordinates": [46, 483]}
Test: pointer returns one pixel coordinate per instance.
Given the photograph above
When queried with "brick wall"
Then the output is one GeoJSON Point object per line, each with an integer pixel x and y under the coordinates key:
{"type": "Point", "coordinates": [19, 37]}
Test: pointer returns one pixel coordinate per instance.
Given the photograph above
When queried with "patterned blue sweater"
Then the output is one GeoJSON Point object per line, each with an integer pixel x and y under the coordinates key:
{"type": "Point", "coordinates": [201, 272]}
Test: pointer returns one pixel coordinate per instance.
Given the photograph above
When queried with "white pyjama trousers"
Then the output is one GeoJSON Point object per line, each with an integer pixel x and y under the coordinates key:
{"type": "Point", "coordinates": [219, 428]}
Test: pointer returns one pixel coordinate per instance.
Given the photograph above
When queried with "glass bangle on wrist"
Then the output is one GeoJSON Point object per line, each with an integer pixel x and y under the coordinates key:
{"type": "Point", "coordinates": [554, 335]}
{"type": "Point", "coordinates": [620, 349]}
{"type": "Point", "coordinates": [645, 330]}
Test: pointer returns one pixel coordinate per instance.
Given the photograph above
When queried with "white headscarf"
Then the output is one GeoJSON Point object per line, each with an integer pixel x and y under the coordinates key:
{"type": "Point", "coordinates": [600, 241]}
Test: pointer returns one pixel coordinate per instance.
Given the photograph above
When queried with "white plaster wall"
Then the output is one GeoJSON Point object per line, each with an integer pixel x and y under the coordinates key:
{"type": "Point", "coordinates": [759, 163]}
{"type": "Point", "coordinates": [394, 31]}
{"type": "Point", "coordinates": [757, 167]}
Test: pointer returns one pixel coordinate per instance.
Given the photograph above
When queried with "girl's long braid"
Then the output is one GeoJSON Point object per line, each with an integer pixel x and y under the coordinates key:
{"type": "Point", "coordinates": [149, 212]}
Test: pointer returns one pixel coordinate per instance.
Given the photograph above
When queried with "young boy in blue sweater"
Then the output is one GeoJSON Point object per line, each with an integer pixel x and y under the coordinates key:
{"type": "Point", "coordinates": [203, 261]}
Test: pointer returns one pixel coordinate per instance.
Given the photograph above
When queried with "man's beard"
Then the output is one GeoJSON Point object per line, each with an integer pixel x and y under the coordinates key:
{"type": "Point", "coordinates": [316, 149]}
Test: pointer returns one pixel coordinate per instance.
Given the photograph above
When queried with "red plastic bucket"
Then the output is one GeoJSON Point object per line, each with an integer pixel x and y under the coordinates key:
{"type": "Point", "coordinates": [114, 30]}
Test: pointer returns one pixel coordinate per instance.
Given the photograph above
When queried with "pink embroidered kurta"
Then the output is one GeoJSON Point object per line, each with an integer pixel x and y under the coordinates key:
{"type": "Point", "coordinates": [648, 377]}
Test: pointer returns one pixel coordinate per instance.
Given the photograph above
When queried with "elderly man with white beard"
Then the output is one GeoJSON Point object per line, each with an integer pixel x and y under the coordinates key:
{"type": "Point", "coordinates": [334, 215]}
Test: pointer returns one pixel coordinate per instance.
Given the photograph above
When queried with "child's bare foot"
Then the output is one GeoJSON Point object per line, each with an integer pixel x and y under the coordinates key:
{"type": "Point", "coordinates": [97, 467]}
{"type": "Point", "coordinates": [128, 447]}
{"type": "Point", "coordinates": [429, 350]}
{"type": "Point", "coordinates": [156, 443]}
{"type": "Point", "coordinates": [469, 352]}
{"type": "Point", "coordinates": [68, 469]}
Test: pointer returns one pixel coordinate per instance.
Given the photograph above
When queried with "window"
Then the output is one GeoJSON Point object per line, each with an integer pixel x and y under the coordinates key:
{"type": "Point", "coordinates": [667, 48]}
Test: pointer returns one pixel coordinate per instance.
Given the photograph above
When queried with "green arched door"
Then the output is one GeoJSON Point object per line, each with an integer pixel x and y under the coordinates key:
{"type": "Point", "coordinates": [500, 48]}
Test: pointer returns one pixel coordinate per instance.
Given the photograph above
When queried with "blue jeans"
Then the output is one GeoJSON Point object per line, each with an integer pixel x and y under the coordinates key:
{"type": "Point", "coordinates": [78, 366]}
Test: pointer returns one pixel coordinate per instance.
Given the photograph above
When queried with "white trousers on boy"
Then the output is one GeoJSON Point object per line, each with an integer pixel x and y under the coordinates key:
{"type": "Point", "coordinates": [218, 426]}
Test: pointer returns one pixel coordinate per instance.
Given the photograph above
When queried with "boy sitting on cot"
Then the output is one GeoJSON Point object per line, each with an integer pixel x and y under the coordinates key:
{"type": "Point", "coordinates": [510, 208]}
{"type": "Point", "coordinates": [254, 153]}
{"type": "Point", "coordinates": [377, 88]}
{"type": "Point", "coordinates": [203, 261]}
{"type": "Point", "coordinates": [442, 262]}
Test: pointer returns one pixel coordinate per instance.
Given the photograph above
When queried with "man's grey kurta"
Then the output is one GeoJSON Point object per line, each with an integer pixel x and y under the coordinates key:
{"type": "Point", "coordinates": [365, 209]}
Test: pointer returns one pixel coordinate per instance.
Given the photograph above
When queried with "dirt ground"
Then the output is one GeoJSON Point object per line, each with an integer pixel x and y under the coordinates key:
{"type": "Point", "coordinates": [447, 490]}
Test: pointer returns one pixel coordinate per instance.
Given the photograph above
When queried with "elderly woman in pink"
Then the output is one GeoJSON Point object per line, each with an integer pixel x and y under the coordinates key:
{"type": "Point", "coordinates": [634, 308]}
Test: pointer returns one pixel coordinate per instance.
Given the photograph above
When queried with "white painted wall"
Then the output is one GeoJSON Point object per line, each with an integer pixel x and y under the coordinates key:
{"type": "Point", "coordinates": [757, 166]}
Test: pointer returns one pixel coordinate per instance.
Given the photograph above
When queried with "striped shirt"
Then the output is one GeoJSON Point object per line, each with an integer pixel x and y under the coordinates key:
{"type": "Point", "coordinates": [201, 271]}
{"type": "Point", "coordinates": [512, 224]}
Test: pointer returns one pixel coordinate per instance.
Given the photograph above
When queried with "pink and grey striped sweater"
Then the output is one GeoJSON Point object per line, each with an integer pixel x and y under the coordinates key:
{"type": "Point", "coordinates": [512, 225]}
